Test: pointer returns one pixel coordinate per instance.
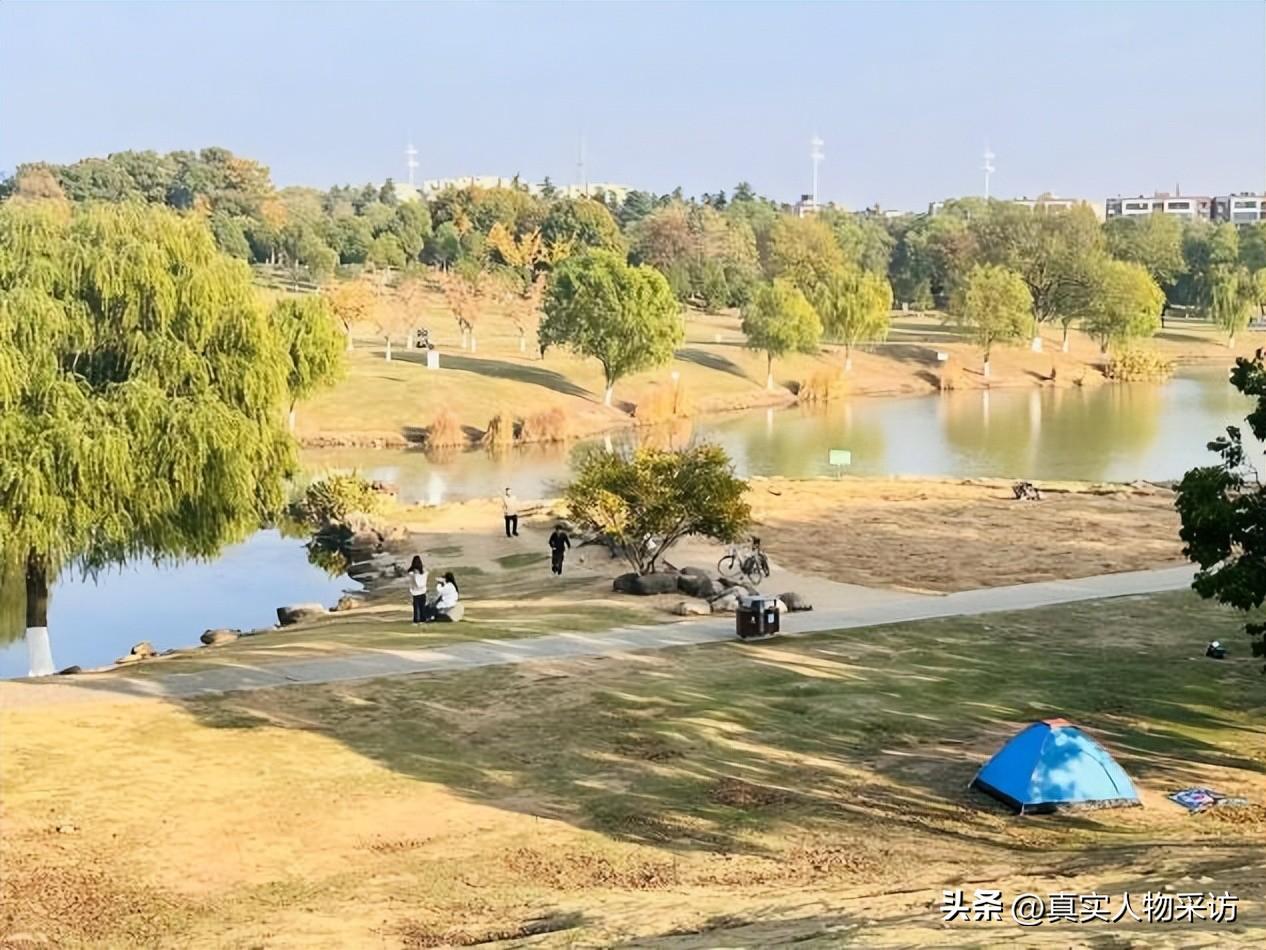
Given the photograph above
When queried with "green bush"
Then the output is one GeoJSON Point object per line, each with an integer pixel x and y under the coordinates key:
{"type": "Point", "coordinates": [1136, 364]}
{"type": "Point", "coordinates": [331, 499]}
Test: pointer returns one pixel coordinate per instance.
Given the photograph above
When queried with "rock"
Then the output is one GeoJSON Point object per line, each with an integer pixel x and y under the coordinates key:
{"type": "Point", "coordinates": [297, 612]}
{"type": "Point", "coordinates": [795, 602]}
{"type": "Point", "coordinates": [214, 638]}
{"type": "Point", "coordinates": [726, 603]}
{"type": "Point", "coordinates": [70, 671]}
{"type": "Point", "coordinates": [691, 608]}
{"type": "Point", "coordinates": [364, 545]}
{"type": "Point", "coordinates": [347, 602]}
{"type": "Point", "coordinates": [645, 584]}
{"type": "Point", "coordinates": [143, 649]}
{"type": "Point", "coordinates": [696, 584]}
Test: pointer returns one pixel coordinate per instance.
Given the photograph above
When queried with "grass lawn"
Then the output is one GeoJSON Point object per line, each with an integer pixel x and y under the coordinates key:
{"type": "Point", "coordinates": [396, 400]}
{"type": "Point", "coordinates": [810, 791]}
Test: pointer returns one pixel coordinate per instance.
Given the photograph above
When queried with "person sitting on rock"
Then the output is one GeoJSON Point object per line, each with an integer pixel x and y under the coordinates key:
{"type": "Point", "coordinates": [446, 597]}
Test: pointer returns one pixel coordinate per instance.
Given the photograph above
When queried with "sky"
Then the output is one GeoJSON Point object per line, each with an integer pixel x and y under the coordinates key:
{"type": "Point", "coordinates": [1082, 100]}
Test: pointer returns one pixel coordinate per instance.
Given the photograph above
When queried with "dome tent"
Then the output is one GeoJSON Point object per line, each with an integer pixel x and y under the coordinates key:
{"type": "Point", "coordinates": [1053, 764]}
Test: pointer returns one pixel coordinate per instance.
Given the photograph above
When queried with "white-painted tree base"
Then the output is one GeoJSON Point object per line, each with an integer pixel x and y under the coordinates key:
{"type": "Point", "coordinates": [1066, 346]}
{"type": "Point", "coordinates": [985, 369]}
{"type": "Point", "coordinates": [39, 652]}
{"type": "Point", "coordinates": [1036, 344]}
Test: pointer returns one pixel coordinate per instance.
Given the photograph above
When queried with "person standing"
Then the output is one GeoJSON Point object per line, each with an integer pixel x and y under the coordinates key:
{"type": "Point", "coordinates": [510, 508]}
{"type": "Point", "coordinates": [417, 589]}
{"type": "Point", "coordinates": [558, 545]}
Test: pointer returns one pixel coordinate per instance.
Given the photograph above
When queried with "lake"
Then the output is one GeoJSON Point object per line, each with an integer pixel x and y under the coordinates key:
{"type": "Point", "coordinates": [91, 623]}
{"type": "Point", "coordinates": [1105, 433]}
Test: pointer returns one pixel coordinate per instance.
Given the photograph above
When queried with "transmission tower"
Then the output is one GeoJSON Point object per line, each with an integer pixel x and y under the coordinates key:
{"type": "Point", "coordinates": [411, 161]}
{"type": "Point", "coordinates": [988, 168]}
{"type": "Point", "coordinates": [815, 156]}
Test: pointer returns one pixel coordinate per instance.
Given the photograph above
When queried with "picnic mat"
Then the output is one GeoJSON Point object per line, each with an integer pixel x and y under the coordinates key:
{"type": "Point", "coordinates": [1198, 799]}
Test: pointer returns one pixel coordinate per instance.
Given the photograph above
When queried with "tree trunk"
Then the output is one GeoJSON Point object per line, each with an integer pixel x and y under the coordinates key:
{"type": "Point", "coordinates": [349, 338]}
{"type": "Point", "coordinates": [769, 372]}
{"type": "Point", "coordinates": [290, 419]}
{"type": "Point", "coordinates": [1230, 341]}
{"type": "Point", "coordinates": [39, 652]}
{"type": "Point", "coordinates": [388, 353]}
{"type": "Point", "coordinates": [606, 396]}
{"type": "Point", "coordinates": [474, 344]}
{"type": "Point", "coordinates": [522, 342]}
{"type": "Point", "coordinates": [985, 368]}
{"type": "Point", "coordinates": [1064, 343]}
{"type": "Point", "coordinates": [848, 357]}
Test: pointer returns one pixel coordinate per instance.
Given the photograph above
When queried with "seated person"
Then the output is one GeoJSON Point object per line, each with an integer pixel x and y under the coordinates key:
{"type": "Point", "coordinates": [446, 597]}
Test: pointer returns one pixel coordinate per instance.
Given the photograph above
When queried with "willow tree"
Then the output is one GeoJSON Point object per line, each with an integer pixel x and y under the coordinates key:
{"type": "Point", "coordinates": [855, 307]}
{"type": "Point", "coordinates": [307, 330]}
{"type": "Point", "coordinates": [142, 389]}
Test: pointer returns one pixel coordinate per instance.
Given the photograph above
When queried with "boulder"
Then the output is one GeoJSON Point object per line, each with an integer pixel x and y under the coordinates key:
{"type": "Point", "coordinates": [143, 649]}
{"type": "Point", "coordinates": [696, 584]}
{"type": "Point", "coordinates": [795, 602]}
{"type": "Point", "coordinates": [624, 583]}
{"type": "Point", "coordinates": [214, 638]}
{"type": "Point", "coordinates": [347, 602]}
{"type": "Point", "coordinates": [726, 603]}
{"type": "Point", "coordinates": [296, 612]}
{"type": "Point", "coordinates": [646, 584]}
{"type": "Point", "coordinates": [70, 671]}
{"type": "Point", "coordinates": [364, 545]}
{"type": "Point", "coordinates": [691, 608]}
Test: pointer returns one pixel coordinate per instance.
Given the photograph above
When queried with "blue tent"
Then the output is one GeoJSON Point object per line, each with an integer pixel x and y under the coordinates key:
{"type": "Point", "coordinates": [1052, 764]}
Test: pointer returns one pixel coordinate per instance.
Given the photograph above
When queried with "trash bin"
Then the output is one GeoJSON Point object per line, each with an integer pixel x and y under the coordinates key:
{"type": "Point", "coordinates": [756, 617]}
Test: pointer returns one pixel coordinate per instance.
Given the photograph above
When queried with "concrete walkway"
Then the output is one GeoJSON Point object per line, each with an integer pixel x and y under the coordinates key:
{"type": "Point", "coordinates": [876, 608]}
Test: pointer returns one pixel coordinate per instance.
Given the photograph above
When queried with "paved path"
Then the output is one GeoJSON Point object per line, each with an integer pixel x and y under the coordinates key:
{"type": "Point", "coordinates": [875, 608]}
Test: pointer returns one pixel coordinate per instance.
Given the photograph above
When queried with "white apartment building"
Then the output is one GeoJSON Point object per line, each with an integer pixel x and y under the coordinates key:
{"type": "Point", "coordinates": [1188, 207]}
{"type": "Point", "coordinates": [1240, 209]}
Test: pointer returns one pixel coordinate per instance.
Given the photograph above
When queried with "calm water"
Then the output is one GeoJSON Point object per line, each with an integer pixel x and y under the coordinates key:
{"type": "Point", "coordinates": [92, 623]}
{"type": "Point", "coordinates": [1106, 433]}
{"type": "Point", "coordinates": [1114, 433]}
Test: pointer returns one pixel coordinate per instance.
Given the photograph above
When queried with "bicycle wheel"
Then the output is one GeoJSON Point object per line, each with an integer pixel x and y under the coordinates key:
{"type": "Point", "coordinates": [728, 566]}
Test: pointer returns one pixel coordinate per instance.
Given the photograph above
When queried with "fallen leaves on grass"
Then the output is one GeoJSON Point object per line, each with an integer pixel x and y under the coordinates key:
{"type": "Point", "coordinates": [571, 870]}
{"type": "Point", "coordinates": [737, 793]}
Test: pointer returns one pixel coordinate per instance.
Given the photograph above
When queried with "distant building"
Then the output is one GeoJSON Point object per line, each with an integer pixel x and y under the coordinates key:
{"type": "Point", "coordinates": [806, 207]}
{"type": "Point", "coordinates": [1044, 202]}
{"type": "Point", "coordinates": [1243, 208]}
{"type": "Point", "coordinates": [1187, 207]}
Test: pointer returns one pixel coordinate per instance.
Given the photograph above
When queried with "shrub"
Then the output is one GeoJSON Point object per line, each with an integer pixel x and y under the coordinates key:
{"type": "Point", "coordinates": [445, 432]}
{"type": "Point", "coordinates": [331, 499]}
{"type": "Point", "coordinates": [1134, 364]}
{"type": "Point", "coordinates": [822, 386]}
{"type": "Point", "coordinates": [500, 432]}
{"type": "Point", "coordinates": [662, 403]}
{"type": "Point", "coordinates": [550, 425]}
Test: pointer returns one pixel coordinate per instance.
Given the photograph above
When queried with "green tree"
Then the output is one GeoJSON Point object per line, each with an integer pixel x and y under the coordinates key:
{"type": "Point", "coordinates": [1222, 508]}
{"type": "Point", "coordinates": [1125, 304]}
{"type": "Point", "coordinates": [863, 239]}
{"type": "Point", "coordinates": [995, 306]}
{"type": "Point", "coordinates": [647, 501]}
{"type": "Point", "coordinates": [230, 236]}
{"type": "Point", "coordinates": [444, 246]}
{"type": "Point", "coordinates": [1154, 241]}
{"type": "Point", "coordinates": [582, 222]}
{"type": "Point", "coordinates": [1228, 296]}
{"type": "Point", "coordinates": [411, 226]}
{"type": "Point", "coordinates": [385, 251]}
{"type": "Point", "coordinates": [312, 341]}
{"type": "Point", "coordinates": [623, 316]}
{"type": "Point", "coordinates": [141, 393]}
{"type": "Point", "coordinates": [802, 250]}
{"type": "Point", "coordinates": [855, 307]}
{"type": "Point", "coordinates": [779, 320]}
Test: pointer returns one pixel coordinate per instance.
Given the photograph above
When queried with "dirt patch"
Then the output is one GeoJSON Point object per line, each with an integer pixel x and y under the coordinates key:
{"type": "Point", "coordinates": [420, 934]}
{"type": "Point", "coordinates": [736, 793]}
{"type": "Point", "coordinates": [577, 870]}
{"type": "Point", "coordinates": [943, 535]}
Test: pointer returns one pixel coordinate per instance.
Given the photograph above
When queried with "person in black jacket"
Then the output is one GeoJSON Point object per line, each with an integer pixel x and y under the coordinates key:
{"type": "Point", "coordinates": [558, 545]}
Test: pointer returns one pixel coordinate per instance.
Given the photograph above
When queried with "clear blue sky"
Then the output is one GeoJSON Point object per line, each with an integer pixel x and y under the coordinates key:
{"type": "Point", "coordinates": [1080, 99]}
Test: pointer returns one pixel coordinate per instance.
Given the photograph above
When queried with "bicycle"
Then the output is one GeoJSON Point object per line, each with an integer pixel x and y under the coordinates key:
{"type": "Point", "coordinates": [751, 566]}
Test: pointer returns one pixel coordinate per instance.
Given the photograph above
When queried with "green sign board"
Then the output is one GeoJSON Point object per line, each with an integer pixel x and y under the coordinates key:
{"type": "Point", "coordinates": [840, 457]}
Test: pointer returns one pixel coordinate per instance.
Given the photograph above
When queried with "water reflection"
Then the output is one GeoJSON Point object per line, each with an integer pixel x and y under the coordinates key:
{"type": "Point", "coordinates": [1110, 432]}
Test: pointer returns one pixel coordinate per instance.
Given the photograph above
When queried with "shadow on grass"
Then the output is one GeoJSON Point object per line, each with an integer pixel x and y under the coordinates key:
{"type": "Point", "coordinates": [827, 737]}
{"type": "Point", "coordinates": [714, 361]}
{"type": "Point", "coordinates": [518, 372]}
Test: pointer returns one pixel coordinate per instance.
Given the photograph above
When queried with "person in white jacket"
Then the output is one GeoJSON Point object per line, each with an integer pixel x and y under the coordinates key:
{"type": "Point", "coordinates": [446, 596]}
{"type": "Point", "coordinates": [510, 508]}
{"type": "Point", "coordinates": [417, 588]}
